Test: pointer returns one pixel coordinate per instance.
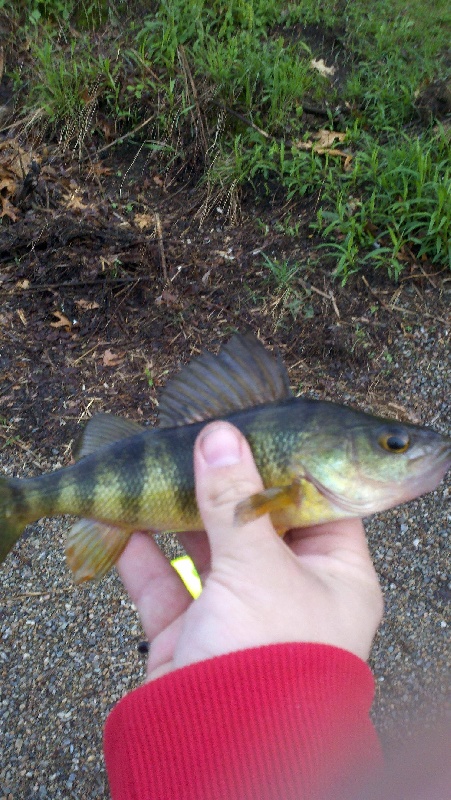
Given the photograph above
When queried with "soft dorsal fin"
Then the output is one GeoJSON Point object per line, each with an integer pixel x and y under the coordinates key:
{"type": "Point", "coordinates": [102, 430]}
{"type": "Point", "coordinates": [243, 375]}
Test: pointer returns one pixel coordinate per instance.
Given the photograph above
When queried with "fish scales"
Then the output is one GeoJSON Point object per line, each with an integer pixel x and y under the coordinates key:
{"type": "Point", "coordinates": [319, 461]}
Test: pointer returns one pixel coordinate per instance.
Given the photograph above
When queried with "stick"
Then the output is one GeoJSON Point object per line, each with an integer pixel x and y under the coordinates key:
{"type": "Point", "coordinates": [126, 136]}
{"type": "Point", "coordinates": [161, 245]}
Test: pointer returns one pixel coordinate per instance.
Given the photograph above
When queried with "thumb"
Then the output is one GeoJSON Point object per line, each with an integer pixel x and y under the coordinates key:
{"type": "Point", "coordinates": [225, 474]}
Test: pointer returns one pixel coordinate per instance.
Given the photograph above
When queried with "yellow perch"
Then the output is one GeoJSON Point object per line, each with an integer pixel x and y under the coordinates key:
{"type": "Point", "coordinates": [319, 461]}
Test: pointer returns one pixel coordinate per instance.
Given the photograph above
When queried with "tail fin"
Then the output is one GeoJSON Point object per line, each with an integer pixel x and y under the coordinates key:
{"type": "Point", "coordinates": [11, 522]}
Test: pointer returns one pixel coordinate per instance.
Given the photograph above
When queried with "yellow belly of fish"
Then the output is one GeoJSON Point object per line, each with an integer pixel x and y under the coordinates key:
{"type": "Point", "coordinates": [293, 505]}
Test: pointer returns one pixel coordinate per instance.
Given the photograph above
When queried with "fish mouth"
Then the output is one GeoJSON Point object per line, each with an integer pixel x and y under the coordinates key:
{"type": "Point", "coordinates": [392, 494]}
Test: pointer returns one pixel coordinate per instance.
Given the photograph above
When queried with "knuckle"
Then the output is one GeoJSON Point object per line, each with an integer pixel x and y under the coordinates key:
{"type": "Point", "coordinates": [230, 491]}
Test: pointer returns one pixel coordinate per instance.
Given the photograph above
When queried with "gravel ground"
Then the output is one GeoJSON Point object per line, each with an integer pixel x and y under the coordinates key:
{"type": "Point", "coordinates": [69, 653]}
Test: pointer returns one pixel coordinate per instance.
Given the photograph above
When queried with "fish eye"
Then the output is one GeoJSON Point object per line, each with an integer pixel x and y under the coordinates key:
{"type": "Point", "coordinates": [395, 442]}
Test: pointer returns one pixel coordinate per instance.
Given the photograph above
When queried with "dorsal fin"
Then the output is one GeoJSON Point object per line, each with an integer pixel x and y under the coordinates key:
{"type": "Point", "coordinates": [102, 430]}
{"type": "Point", "coordinates": [243, 375]}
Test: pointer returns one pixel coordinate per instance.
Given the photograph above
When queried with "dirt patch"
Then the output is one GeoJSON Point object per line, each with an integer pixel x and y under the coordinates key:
{"type": "Point", "coordinates": [102, 258]}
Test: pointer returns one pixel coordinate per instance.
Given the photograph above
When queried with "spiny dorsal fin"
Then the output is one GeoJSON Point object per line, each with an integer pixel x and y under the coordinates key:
{"type": "Point", "coordinates": [102, 430]}
{"type": "Point", "coordinates": [243, 375]}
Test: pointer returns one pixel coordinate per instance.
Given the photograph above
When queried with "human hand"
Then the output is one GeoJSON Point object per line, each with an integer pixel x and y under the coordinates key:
{"type": "Point", "coordinates": [316, 585]}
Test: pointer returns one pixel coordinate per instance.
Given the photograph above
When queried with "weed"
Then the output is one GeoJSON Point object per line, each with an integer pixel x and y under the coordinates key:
{"type": "Point", "coordinates": [397, 200]}
{"type": "Point", "coordinates": [224, 86]}
{"type": "Point", "coordinates": [282, 273]}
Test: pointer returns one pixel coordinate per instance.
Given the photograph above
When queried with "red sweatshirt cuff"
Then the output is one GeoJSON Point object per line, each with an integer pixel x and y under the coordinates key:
{"type": "Point", "coordinates": [287, 721]}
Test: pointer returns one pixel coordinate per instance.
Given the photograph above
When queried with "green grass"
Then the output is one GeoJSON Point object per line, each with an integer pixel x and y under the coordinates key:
{"type": "Point", "coordinates": [225, 88]}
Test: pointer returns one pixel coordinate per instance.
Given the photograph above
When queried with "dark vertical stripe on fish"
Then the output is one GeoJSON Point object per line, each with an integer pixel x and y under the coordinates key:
{"type": "Point", "coordinates": [130, 473]}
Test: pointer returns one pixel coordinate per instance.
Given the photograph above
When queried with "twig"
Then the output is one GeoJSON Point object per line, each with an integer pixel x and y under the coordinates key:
{"type": "Point", "coordinates": [428, 279]}
{"type": "Point", "coordinates": [332, 297]}
{"type": "Point", "coordinates": [328, 295]}
{"type": "Point", "coordinates": [24, 121]}
{"type": "Point", "coordinates": [44, 593]}
{"type": "Point", "coordinates": [392, 308]}
{"type": "Point", "coordinates": [122, 138]}
{"type": "Point", "coordinates": [83, 355]}
{"type": "Point", "coordinates": [15, 440]}
{"type": "Point", "coordinates": [244, 119]}
{"type": "Point", "coordinates": [93, 282]}
{"type": "Point", "coordinates": [161, 246]}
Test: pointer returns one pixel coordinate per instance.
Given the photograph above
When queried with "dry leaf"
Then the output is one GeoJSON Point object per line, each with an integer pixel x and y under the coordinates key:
{"type": "Point", "coordinates": [7, 182]}
{"type": "Point", "coordinates": [23, 284]}
{"type": "Point", "coordinates": [74, 202]}
{"type": "Point", "coordinates": [321, 67]}
{"type": "Point", "coordinates": [15, 159]}
{"type": "Point", "coordinates": [8, 210]}
{"type": "Point", "coordinates": [22, 317]}
{"type": "Point", "coordinates": [325, 137]}
{"type": "Point", "coordinates": [144, 221]}
{"type": "Point", "coordinates": [111, 359]}
{"type": "Point", "coordinates": [167, 298]}
{"type": "Point", "coordinates": [63, 321]}
{"type": "Point", "coordinates": [331, 152]}
{"type": "Point", "coordinates": [88, 305]}
{"type": "Point", "coordinates": [99, 169]}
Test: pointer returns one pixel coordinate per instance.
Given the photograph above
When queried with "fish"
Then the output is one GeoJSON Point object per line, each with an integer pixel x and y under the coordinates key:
{"type": "Point", "coordinates": [319, 461]}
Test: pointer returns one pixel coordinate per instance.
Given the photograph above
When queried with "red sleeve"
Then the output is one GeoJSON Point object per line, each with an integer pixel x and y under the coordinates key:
{"type": "Point", "coordinates": [284, 721]}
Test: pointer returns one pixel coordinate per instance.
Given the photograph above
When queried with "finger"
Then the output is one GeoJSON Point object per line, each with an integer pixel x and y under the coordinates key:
{"type": "Point", "coordinates": [153, 585]}
{"type": "Point", "coordinates": [197, 547]}
{"type": "Point", "coordinates": [225, 474]}
{"type": "Point", "coordinates": [343, 545]}
{"type": "Point", "coordinates": [344, 534]}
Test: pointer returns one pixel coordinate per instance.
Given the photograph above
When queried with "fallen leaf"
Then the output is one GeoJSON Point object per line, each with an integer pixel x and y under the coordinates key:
{"type": "Point", "coordinates": [321, 67]}
{"type": "Point", "coordinates": [88, 305]}
{"type": "Point", "coordinates": [325, 137]}
{"type": "Point", "coordinates": [15, 159]}
{"type": "Point", "coordinates": [22, 317]}
{"type": "Point", "coordinates": [63, 321]}
{"type": "Point", "coordinates": [7, 182]}
{"type": "Point", "coordinates": [329, 151]}
{"type": "Point", "coordinates": [23, 284]}
{"type": "Point", "coordinates": [8, 210]}
{"type": "Point", "coordinates": [111, 359]}
{"type": "Point", "coordinates": [74, 202]}
{"type": "Point", "coordinates": [97, 168]}
{"type": "Point", "coordinates": [144, 221]}
{"type": "Point", "coordinates": [167, 297]}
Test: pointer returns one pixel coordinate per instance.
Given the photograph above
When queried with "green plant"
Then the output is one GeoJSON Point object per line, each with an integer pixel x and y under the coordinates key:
{"type": "Point", "coordinates": [281, 273]}
{"type": "Point", "coordinates": [224, 88]}
{"type": "Point", "coordinates": [396, 199]}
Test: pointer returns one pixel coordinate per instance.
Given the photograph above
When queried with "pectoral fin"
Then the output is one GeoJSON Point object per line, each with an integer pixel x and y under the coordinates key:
{"type": "Point", "coordinates": [93, 547]}
{"type": "Point", "coordinates": [273, 499]}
